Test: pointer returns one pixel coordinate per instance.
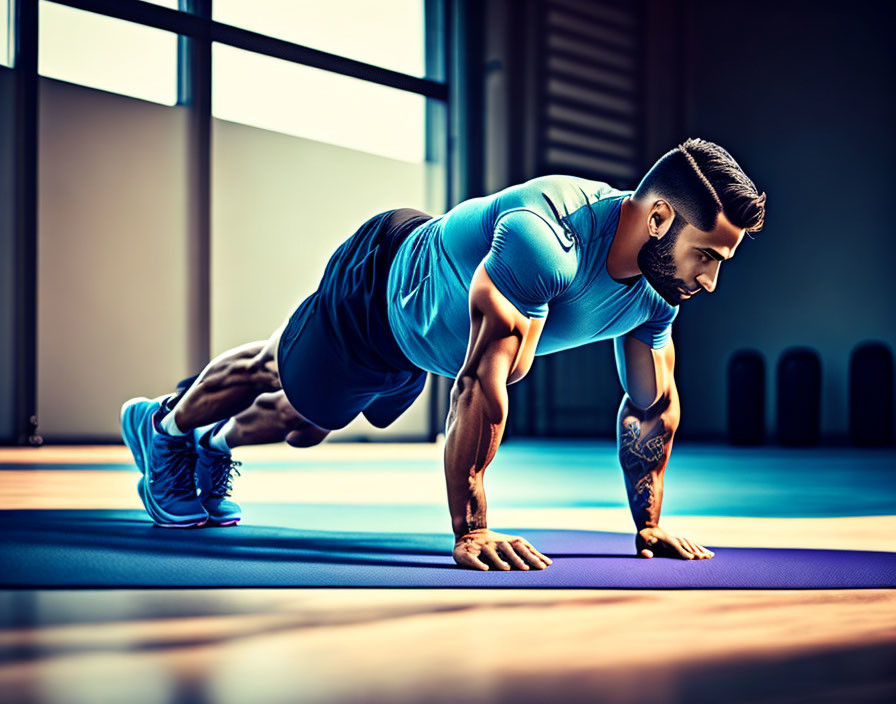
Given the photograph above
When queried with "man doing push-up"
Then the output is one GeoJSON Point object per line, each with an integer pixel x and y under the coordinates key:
{"type": "Point", "coordinates": [474, 295]}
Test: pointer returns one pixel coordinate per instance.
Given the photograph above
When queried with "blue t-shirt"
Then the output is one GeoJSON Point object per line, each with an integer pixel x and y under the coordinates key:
{"type": "Point", "coordinates": [544, 244]}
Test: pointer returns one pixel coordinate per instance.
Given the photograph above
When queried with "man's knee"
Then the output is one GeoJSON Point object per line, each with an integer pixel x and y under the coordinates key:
{"type": "Point", "coordinates": [307, 436]}
{"type": "Point", "coordinates": [300, 431]}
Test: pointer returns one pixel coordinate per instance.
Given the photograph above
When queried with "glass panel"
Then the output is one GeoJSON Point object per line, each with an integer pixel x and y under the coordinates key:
{"type": "Point", "coordinates": [387, 33]}
{"type": "Point", "coordinates": [6, 32]}
{"type": "Point", "coordinates": [107, 53]}
{"type": "Point", "coordinates": [281, 205]}
{"type": "Point", "coordinates": [326, 107]}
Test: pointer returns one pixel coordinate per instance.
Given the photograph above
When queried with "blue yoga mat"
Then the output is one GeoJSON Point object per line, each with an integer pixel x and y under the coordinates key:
{"type": "Point", "coordinates": [123, 549]}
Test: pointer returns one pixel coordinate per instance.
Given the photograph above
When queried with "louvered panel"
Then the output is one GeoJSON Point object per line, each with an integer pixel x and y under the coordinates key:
{"type": "Point", "coordinates": [591, 90]}
{"type": "Point", "coordinates": [580, 161]}
{"type": "Point", "coordinates": [589, 73]}
{"type": "Point", "coordinates": [589, 104]}
{"type": "Point", "coordinates": [613, 148]}
{"type": "Point", "coordinates": [590, 29]}
{"type": "Point", "coordinates": [618, 14]}
{"type": "Point", "coordinates": [574, 92]}
{"type": "Point", "coordinates": [579, 47]}
{"type": "Point", "coordinates": [590, 122]}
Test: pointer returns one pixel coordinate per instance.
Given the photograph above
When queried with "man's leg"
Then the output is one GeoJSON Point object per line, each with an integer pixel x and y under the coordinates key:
{"type": "Point", "coordinates": [271, 418]}
{"type": "Point", "coordinates": [161, 438]}
{"type": "Point", "coordinates": [228, 385]}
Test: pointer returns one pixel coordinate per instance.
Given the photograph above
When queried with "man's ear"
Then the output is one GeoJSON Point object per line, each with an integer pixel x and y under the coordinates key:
{"type": "Point", "coordinates": [660, 218]}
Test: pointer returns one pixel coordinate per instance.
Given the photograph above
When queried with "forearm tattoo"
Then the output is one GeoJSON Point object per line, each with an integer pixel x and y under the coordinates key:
{"type": "Point", "coordinates": [476, 513]}
{"type": "Point", "coordinates": [640, 459]}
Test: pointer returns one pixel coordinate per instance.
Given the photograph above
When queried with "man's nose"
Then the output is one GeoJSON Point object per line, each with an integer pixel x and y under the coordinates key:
{"type": "Point", "coordinates": [709, 280]}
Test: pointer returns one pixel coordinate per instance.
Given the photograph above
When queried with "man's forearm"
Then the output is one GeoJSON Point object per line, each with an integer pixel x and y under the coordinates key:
{"type": "Point", "coordinates": [474, 432]}
{"type": "Point", "coordinates": [644, 443]}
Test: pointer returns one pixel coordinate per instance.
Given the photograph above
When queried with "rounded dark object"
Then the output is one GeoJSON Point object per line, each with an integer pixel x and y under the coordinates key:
{"type": "Point", "coordinates": [871, 394]}
{"type": "Point", "coordinates": [746, 398]}
{"type": "Point", "coordinates": [799, 397]}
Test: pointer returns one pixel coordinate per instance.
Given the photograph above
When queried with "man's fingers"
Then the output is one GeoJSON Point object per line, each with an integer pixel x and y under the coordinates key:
{"type": "Point", "coordinates": [538, 553]}
{"type": "Point", "coordinates": [515, 559]}
{"type": "Point", "coordinates": [492, 554]}
{"type": "Point", "coordinates": [682, 550]}
{"type": "Point", "coordinates": [690, 547]}
{"type": "Point", "coordinates": [465, 558]}
{"type": "Point", "coordinates": [673, 546]}
{"type": "Point", "coordinates": [700, 552]}
{"type": "Point", "coordinates": [466, 555]}
{"type": "Point", "coordinates": [705, 552]}
{"type": "Point", "coordinates": [530, 556]}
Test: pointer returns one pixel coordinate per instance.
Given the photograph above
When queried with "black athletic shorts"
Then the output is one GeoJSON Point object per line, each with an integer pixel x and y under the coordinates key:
{"type": "Point", "coordinates": [337, 355]}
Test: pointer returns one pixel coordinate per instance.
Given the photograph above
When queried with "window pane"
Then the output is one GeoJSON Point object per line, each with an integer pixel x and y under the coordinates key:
{"type": "Point", "coordinates": [326, 107]}
{"type": "Point", "coordinates": [6, 27]}
{"type": "Point", "coordinates": [387, 33]}
{"type": "Point", "coordinates": [107, 53]}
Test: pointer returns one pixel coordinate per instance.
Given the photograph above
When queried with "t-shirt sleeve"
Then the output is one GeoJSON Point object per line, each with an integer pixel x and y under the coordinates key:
{"type": "Point", "coordinates": [528, 261]}
{"type": "Point", "coordinates": [657, 330]}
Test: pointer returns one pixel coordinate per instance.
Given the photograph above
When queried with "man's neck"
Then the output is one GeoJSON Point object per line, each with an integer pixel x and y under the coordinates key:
{"type": "Point", "coordinates": [630, 236]}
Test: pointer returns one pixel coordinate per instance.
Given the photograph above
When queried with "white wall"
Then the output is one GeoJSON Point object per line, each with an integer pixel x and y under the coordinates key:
{"type": "Point", "coordinates": [112, 240]}
{"type": "Point", "coordinates": [281, 206]}
{"type": "Point", "coordinates": [112, 246]}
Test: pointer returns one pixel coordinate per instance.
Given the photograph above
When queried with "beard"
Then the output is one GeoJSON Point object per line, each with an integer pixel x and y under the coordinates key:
{"type": "Point", "coordinates": [657, 263]}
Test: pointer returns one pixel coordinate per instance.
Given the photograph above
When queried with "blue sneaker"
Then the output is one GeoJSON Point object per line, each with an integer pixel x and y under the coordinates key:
{"type": "Point", "coordinates": [136, 426]}
{"type": "Point", "coordinates": [215, 480]}
{"type": "Point", "coordinates": [167, 487]}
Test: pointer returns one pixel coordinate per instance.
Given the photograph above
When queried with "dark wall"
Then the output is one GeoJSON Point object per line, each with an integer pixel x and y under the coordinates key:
{"type": "Point", "coordinates": [802, 94]}
{"type": "Point", "coordinates": [7, 254]}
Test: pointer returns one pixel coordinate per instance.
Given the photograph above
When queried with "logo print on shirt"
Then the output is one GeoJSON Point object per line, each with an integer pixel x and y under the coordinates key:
{"type": "Point", "coordinates": [568, 239]}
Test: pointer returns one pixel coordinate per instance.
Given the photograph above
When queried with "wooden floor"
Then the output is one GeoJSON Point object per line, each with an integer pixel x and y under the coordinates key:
{"type": "Point", "coordinates": [389, 646]}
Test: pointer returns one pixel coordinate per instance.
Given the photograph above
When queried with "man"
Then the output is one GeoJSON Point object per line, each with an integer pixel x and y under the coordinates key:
{"type": "Point", "coordinates": [474, 294]}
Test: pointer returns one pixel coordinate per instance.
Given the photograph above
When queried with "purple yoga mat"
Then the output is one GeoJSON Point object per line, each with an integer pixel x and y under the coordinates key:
{"type": "Point", "coordinates": [120, 549]}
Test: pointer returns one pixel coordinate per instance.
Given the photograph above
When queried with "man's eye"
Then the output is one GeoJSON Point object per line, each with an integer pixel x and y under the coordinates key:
{"type": "Point", "coordinates": [704, 257]}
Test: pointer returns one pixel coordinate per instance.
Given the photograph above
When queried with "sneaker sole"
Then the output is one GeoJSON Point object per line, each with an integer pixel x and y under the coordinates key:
{"type": "Point", "coordinates": [136, 444]}
{"type": "Point", "coordinates": [159, 517]}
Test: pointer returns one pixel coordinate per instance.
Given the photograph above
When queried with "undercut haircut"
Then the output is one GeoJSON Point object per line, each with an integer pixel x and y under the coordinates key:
{"type": "Point", "coordinates": [699, 179]}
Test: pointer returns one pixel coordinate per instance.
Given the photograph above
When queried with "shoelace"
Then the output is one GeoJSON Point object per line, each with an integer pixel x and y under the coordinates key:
{"type": "Point", "coordinates": [222, 477]}
{"type": "Point", "coordinates": [177, 481]}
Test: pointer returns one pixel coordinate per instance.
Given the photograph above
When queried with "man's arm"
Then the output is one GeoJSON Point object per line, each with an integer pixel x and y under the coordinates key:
{"type": "Point", "coordinates": [500, 351]}
{"type": "Point", "coordinates": [648, 418]}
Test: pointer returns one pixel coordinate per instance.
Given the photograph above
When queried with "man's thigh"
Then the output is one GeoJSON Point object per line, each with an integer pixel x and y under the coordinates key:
{"type": "Point", "coordinates": [269, 352]}
{"type": "Point", "coordinates": [321, 379]}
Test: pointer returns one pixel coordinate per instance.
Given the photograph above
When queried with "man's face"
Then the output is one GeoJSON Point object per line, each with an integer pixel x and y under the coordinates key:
{"type": "Point", "coordinates": [682, 260]}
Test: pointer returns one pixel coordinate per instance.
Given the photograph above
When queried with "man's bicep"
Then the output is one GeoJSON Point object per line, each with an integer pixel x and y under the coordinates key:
{"type": "Point", "coordinates": [646, 374]}
{"type": "Point", "coordinates": [500, 334]}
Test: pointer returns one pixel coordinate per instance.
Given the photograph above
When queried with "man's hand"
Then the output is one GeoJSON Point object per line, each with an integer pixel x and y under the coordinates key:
{"type": "Point", "coordinates": [479, 547]}
{"type": "Point", "coordinates": [652, 542]}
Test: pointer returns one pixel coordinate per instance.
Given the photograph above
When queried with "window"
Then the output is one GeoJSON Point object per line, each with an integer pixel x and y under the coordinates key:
{"type": "Point", "coordinates": [386, 33]}
{"type": "Point", "coordinates": [6, 32]}
{"type": "Point", "coordinates": [108, 53]}
{"type": "Point", "coordinates": [326, 107]}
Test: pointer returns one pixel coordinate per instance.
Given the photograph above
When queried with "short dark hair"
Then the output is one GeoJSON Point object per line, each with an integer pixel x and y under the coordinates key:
{"type": "Point", "coordinates": [700, 180]}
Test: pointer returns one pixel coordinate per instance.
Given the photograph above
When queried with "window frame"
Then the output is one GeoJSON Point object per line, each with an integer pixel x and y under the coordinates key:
{"type": "Point", "coordinates": [196, 30]}
{"type": "Point", "coordinates": [194, 21]}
